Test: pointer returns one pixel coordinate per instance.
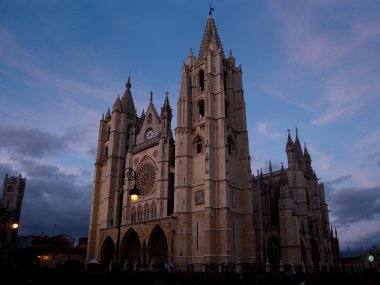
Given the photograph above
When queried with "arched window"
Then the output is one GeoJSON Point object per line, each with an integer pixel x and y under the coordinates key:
{"type": "Point", "coordinates": [150, 119]}
{"type": "Point", "coordinates": [230, 145]}
{"type": "Point", "coordinates": [109, 132]}
{"type": "Point", "coordinates": [307, 200]}
{"type": "Point", "coordinates": [106, 152]}
{"type": "Point", "coordinates": [201, 108]}
{"type": "Point", "coordinates": [201, 78]}
{"type": "Point", "coordinates": [198, 145]}
{"type": "Point", "coordinates": [226, 108]}
{"type": "Point", "coordinates": [273, 250]}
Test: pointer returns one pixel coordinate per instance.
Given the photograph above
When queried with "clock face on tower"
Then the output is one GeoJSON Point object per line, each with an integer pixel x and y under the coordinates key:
{"type": "Point", "coordinates": [149, 134]}
{"type": "Point", "coordinates": [199, 197]}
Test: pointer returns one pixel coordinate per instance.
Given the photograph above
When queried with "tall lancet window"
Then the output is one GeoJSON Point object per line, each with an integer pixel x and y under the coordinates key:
{"type": "Point", "coordinates": [201, 108]}
{"type": "Point", "coordinates": [226, 108]}
{"type": "Point", "coordinates": [198, 145]}
{"type": "Point", "coordinates": [225, 81]}
{"type": "Point", "coordinates": [201, 78]}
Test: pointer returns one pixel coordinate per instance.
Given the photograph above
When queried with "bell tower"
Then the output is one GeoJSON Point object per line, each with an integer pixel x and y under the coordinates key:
{"type": "Point", "coordinates": [213, 193]}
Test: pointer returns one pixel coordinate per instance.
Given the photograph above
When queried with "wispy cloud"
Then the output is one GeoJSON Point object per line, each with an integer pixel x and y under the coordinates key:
{"type": "Point", "coordinates": [275, 92]}
{"type": "Point", "coordinates": [347, 92]}
{"type": "Point", "coordinates": [262, 128]}
{"type": "Point", "coordinates": [334, 43]}
{"type": "Point", "coordinates": [20, 58]}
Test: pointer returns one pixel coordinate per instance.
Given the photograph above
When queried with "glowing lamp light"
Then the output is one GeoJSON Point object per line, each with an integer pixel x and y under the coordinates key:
{"type": "Point", "coordinates": [15, 226]}
{"type": "Point", "coordinates": [134, 194]}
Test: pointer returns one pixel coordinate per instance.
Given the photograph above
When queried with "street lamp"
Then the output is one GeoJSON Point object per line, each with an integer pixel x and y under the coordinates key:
{"type": "Point", "coordinates": [131, 175]}
{"type": "Point", "coordinates": [134, 193]}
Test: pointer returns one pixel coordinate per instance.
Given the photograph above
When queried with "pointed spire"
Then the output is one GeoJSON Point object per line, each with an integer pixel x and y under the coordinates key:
{"type": "Point", "coordinates": [298, 146]}
{"type": "Point", "coordinates": [191, 58]}
{"type": "Point", "coordinates": [290, 141]}
{"type": "Point", "coordinates": [127, 104]}
{"type": "Point", "coordinates": [108, 115]}
{"type": "Point", "coordinates": [117, 105]}
{"type": "Point", "coordinates": [336, 233]}
{"type": "Point", "coordinates": [231, 58]}
{"type": "Point", "coordinates": [283, 176]}
{"type": "Point", "coordinates": [270, 166]}
{"type": "Point", "coordinates": [306, 153]}
{"type": "Point", "coordinates": [128, 85]}
{"type": "Point", "coordinates": [166, 107]}
{"type": "Point", "coordinates": [297, 140]}
{"type": "Point", "coordinates": [151, 97]}
{"type": "Point", "coordinates": [210, 34]}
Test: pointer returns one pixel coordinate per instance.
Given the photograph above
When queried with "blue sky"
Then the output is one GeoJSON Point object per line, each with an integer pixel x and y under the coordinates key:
{"type": "Point", "coordinates": [314, 65]}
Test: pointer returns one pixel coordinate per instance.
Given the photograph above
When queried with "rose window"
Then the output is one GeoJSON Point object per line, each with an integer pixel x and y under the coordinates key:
{"type": "Point", "coordinates": [146, 179]}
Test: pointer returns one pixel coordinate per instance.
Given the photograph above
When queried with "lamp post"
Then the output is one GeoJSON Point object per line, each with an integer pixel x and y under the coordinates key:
{"type": "Point", "coordinates": [134, 193]}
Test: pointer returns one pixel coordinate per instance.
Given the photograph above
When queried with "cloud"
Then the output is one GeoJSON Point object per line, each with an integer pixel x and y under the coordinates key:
{"type": "Point", "coordinates": [351, 205]}
{"type": "Point", "coordinates": [30, 142]}
{"type": "Point", "coordinates": [334, 46]}
{"type": "Point", "coordinates": [54, 202]}
{"type": "Point", "coordinates": [21, 59]}
{"type": "Point", "coordinates": [262, 129]}
{"type": "Point", "coordinates": [323, 162]}
{"type": "Point", "coordinates": [337, 180]}
{"type": "Point", "coordinates": [345, 93]}
{"type": "Point", "coordinates": [369, 239]}
{"type": "Point", "coordinates": [24, 141]}
{"type": "Point", "coordinates": [273, 91]}
{"type": "Point", "coordinates": [376, 156]}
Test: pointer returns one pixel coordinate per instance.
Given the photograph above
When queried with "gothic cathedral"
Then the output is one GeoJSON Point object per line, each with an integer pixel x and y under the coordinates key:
{"type": "Point", "coordinates": [199, 204]}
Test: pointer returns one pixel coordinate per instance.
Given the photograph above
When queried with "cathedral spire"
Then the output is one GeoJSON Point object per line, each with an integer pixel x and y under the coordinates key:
{"type": "Point", "coordinates": [191, 58]}
{"type": "Point", "coordinates": [306, 154]}
{"type": "Point", "coordinates": [283, 176]}
{"type": "Point", "coordinates": [108, 115]}
{"type": "Point", "coordinates": [166, 109]}
{"type": "Point", "coordinates": [210, 34]}
{"type": "Point", "coordinates": [127, 104]}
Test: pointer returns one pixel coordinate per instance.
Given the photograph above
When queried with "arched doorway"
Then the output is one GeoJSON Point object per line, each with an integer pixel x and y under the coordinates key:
{"type": "Point", "coordinates": [303, 252]}
{"type": "Point", "coordinates": [130, 249]}
{"type": "Point", "coordinates": [158, 247]}
{"type": "Point", "coordinates": [315, 256]}
{"type": "Point", "coordinates": [108, 251]}
{"type": "Point", "coordinates": [273, 250]}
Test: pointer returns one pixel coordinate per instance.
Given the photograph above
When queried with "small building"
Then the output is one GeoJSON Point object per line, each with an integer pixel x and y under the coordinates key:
{"type": "Point", "coordinates": [45, 251]}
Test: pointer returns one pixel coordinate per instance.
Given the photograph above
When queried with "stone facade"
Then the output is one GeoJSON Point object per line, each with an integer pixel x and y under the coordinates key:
{"type": "Point", "coordinates": [10, 210]}
{"type": "Point", "coordinates": [200, 205]}
{"type": "Point", "coordinates": [295, 222]}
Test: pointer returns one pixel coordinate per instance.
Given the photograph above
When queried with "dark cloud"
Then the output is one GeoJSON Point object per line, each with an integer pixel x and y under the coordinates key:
{"type": "Point", "coordinates": [25, 141]}
{"type": "Point", "coordinates": [54, 202]}
{"type": "Point", "coordinates": [368, 240]}
{"type": "Point", "coordinates": [350, 205]}
{"type": "Point", "coordinates": [375, 156]}
{"type": "Point", "coordinates": [337, 180]}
